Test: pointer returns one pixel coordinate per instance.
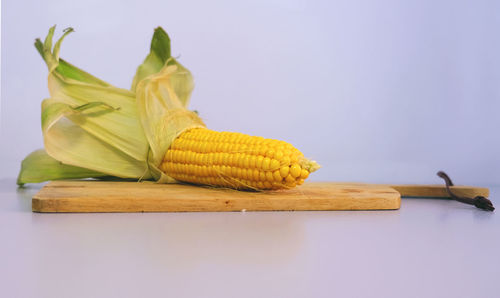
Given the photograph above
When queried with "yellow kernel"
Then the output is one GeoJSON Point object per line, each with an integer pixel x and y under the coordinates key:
{"type": "Point", "coordinates": [277, 176]}
{"type": "Point", "coordinates": [229, 171]}
{"type": "Point", "coordinates": [262, 150]}
{"type": "Point", "coordinates": [269, 176]}
{"type": "Point", "coordinates": [196, 146]}
{"type": "Point", "coordinates": [295, 170]}
{"type": "Point", "coordinates": [192, 157]}
{"type": "Point", "coordinates": [260, 159]}
{"type": "Point", "coordinates": [291, 184]}
{"type": "Point", "coordinates": [262, 176]}
{"type": "Point", "coordinates": [275, 164]}
{"type": "Point", "coordinates": [255, 175]}
{"type": "Point", "coordinates": [239, 173]}
{"type": "Point", "coordinates": [174, 155]}
{"type": "Point", "coordinates": [260, 185]}
{"type": "Point", "coordinates": [215, 170]}
{"type": "Point", "coordinates": [289, 179]}
{"type": "Point", "coordinates": [241, 160]}
{"type": "Point", "coordinates": [267, 185]}
{"type": "Point", "coordinates": [234, 171]}
{"type": "Point", "coordinates": [284, 171]}
{"type": "Point", "coordinates": [210, 146]}
{"type": "Point", "coordinates": [167, 167]}
{"type": "Point", "coordinates": [285, 161]}
{"type": "Point", "coordinates": [224, 158]}
{"type": "Point", "coordinates": [270, 153]}
{"type": "Point", "coordinates": [234, 159]}
{"type": "Point", "coordinates": [304, 174]}
{"type": "Point", "coordinates": [246, 161]}
{"type": "Point", "coordinates": [265, 163]}
{"type": "Point", "coordinates": [249, 174]}
{"type": "Point", "coordinates": [175, 145]}
{"type": "Point", "coordinates": [278, 155]}
{"type": "Point", "coordinates": [253, 161]}
{"type": "Point", "coordinates": [294, 158]}
{"type": "Point", "coordinates": [246, 174]}
{"type": "Point", "coordinates": [225, 171]}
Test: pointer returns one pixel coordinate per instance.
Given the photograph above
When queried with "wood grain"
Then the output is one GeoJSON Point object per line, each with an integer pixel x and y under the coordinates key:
{"type": "Point", "coordinates": [99, 196]}
{"type": "Point", "coordinates": [439, 191]}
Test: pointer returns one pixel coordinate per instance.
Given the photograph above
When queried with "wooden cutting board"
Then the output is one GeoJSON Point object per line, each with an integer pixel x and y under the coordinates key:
{"type": "Point", "coordinates": [99, 196]}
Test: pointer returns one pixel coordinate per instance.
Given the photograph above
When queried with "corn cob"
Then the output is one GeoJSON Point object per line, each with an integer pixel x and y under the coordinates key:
{"type": "Point", "coordinates": [93, 129]}
{"type": "Point", "coordinates": [235, 160]}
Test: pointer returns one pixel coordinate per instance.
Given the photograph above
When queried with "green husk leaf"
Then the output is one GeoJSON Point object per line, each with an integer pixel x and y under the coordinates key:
{"type": "Point", "coordinates": [157, 57]}
{"type": "Point", "coordinates": [39, 167]}
{"type": "Point", "coordinates": [60, 66]}
{"type": "Point", "coordinates": [162, 113]}
{"type": "Point", "coordinates": [71, 138]}
{"type": "Point", "coordinates": [88, 123]}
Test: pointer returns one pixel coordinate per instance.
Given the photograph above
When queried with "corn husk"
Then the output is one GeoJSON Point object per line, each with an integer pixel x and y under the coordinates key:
{"type": "Point", "coordinates": [93, 129]}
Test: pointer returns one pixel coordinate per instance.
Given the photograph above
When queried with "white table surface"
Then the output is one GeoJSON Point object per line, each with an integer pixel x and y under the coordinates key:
{"type": "Point", "coordinates": [428, 248]}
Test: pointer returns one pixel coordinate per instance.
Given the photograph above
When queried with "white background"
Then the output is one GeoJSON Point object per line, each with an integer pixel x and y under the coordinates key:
{"type": "Point", "coordinates": [376, 91]}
